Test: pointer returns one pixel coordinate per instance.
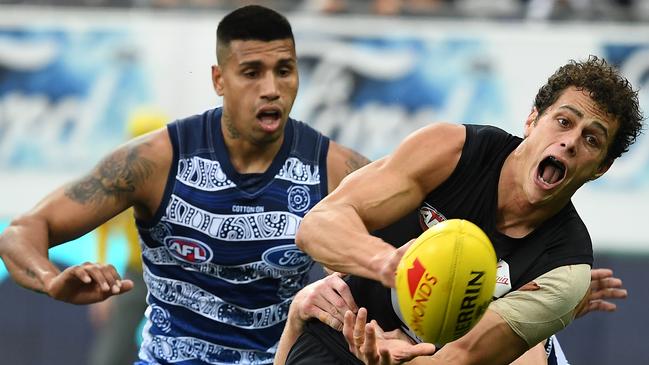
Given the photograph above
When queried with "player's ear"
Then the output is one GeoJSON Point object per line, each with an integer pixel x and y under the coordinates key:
{"type": "Point", "coordinates": [217, 79]}
{"type": "Point", "coordinates": [531, 121]}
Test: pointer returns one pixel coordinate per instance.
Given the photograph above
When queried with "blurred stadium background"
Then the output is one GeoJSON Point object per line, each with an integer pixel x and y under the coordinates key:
{"type": "Point", "coordinates": [71, 71]}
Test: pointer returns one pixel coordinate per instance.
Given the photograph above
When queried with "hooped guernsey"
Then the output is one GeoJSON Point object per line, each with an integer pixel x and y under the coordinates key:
{"type": "Point", "coordinates": [471, 193]}
{"type": "Point", "coordinates": [219, 257]}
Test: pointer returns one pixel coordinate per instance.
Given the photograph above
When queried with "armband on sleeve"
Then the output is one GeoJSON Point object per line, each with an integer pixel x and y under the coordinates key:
{"type": "Point", "coordinates": [536, 315]}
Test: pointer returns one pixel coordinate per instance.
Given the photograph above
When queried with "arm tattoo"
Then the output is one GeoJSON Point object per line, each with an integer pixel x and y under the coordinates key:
{"type": "Point", "coordinates": [118, 174]}
{"type": "Point", "coordinates": [355, 162]}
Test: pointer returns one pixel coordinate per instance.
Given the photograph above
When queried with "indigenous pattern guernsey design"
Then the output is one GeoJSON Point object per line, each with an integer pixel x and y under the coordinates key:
{"type": "Point", "coordinates": [220, 262]}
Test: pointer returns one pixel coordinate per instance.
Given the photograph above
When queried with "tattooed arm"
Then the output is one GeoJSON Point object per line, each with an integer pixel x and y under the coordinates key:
{"type": "Point", "coordinates": [133, 175]}
{"type": "Point", "coordinates": [342, 161]}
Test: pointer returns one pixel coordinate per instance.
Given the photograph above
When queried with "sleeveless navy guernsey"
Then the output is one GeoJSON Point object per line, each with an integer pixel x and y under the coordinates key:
{"type": "Point", "coordinates": [471, 193]}
{"type": "Point", "coordinates": [220, 262]}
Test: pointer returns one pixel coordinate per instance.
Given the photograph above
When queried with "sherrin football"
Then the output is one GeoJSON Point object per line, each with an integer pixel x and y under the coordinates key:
{"type": "Point", "coordinates": [446, 280]}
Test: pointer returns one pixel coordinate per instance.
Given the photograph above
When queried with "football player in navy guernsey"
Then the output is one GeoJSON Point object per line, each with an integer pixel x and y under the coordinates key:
{"type": "Point", "coordinates": [518, 190]}
{"type": "Point", "coordinates": [218, 198]}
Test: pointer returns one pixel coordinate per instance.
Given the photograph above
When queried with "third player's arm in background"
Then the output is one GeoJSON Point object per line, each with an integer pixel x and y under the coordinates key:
{"type": "Point", "coordinates": [375, 196]}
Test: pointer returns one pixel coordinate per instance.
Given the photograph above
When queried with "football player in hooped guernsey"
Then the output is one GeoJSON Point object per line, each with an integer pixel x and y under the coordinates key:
{"type": "Point", "coordinates": [516, 190]}
{"type": "Point", "coordinates": [218, 198]}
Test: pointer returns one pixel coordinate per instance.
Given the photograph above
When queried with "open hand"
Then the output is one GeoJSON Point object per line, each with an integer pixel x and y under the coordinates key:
{"type": "Point", "coordinates": [370, 344]}
{"type": "Point", "coordinates": [327, 300]}
{"type": "Point", "coordinates": [87, 283]}
{"type": "Point", "coordinates": [603, 285]}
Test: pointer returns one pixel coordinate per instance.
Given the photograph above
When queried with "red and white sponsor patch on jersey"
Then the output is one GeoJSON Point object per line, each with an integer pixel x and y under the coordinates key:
{"type": "Point", "coordinates": [503, 279]}
{"type": "Point", "coordinates": [188, 250]}
{"type": "Point", "coordinates": [429, 216]}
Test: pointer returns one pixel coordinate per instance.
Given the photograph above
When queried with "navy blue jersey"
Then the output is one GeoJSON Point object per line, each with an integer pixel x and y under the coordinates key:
{"type": "Point", "coordinates": [220, 261]}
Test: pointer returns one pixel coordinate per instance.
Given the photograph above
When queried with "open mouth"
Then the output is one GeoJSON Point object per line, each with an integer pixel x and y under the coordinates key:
{"type": "Point", "coordinates": [270, 119]}
{"type": "Point", "coordinates": [269, 115]}
{"type": "Point", "coordinates": [551, 171]}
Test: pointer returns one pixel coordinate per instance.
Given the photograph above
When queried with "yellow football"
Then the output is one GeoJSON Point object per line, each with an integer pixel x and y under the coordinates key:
{"type": "Point", "coordinates": [446, 280]}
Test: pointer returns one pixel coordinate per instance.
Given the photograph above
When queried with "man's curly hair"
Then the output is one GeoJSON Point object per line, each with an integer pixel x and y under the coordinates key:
{"type": "Point", "coordinates": [612, 93]}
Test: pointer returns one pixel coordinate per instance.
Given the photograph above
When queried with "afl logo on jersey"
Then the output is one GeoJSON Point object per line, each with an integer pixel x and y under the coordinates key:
{"type": "Point", "coordinates": [429, 216]}
{"type": "Point", "coordinates": [285, 257]}
{"type": "Point", "coordinates": [188, 250]}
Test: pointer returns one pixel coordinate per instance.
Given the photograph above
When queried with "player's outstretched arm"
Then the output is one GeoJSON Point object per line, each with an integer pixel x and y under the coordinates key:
{"type": "Point", "coordinates": [370, 344]}
{"type": "Point", "coordinates": [336, 231]}
{"type": "Point", "coordinates": [510, 327]}
{"type": "Point", "coordinates": [124, 178]}
{"type": "Point", "coordinates": [520, 320]}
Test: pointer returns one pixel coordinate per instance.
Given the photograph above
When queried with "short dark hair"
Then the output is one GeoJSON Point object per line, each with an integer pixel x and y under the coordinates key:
{"type": "Point", "coordinates": [612, 92]}
{"type": "Point", "coordinates": [252, 22]}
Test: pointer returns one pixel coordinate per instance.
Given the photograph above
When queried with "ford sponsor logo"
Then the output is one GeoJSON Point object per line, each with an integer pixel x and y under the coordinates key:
{"type": "Point", "coordinates": [285, 257]}
{"type": "Point", "coordinates": [188, 250]}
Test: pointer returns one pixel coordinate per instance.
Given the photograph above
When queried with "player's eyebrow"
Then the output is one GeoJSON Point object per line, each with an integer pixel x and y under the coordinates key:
{"type": "Point", "coordinates": [252, 63]}
{"type": "Point", "coordinates": [286, 62]}
{"type": "Point", "coordinates": [597, 124]}
{"type": "Point", "coordinates": [259, 63]}
{"type": "Point", "coordinates": [576, 111]}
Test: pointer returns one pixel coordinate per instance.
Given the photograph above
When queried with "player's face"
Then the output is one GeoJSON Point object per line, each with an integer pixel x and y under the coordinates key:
{"type": "Point", "coordinates": [566, 146]}
{"type": "Point", "coordinates": [258, 81]}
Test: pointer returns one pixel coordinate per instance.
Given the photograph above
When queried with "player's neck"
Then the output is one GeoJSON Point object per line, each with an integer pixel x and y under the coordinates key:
{"type": "Point", "coordinates": [249, 158]}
